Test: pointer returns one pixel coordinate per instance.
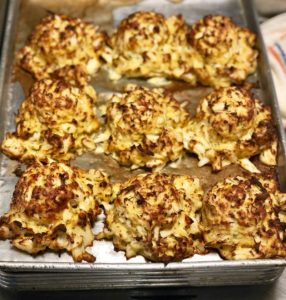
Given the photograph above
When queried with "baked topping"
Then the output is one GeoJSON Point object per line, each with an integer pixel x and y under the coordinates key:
{"type": "Point", "coordinates": [157, 216]}
{"type": "Point", "coordinates": [56, 120]}
{"type": "Point", "coordinates": [144, 127]}
{"type": "Point", "coordinates": [146, 44]}
{"type": "Point", "coordinates": [228, 51]}
{"type": "Point", "coordinates": [59, 43]}
{"type": "Point", "coordinates": [231, 126]}
{"type": "Point", "coordinates": [54, 207]}
{"type": "Point", "coordinates": [241, 218]}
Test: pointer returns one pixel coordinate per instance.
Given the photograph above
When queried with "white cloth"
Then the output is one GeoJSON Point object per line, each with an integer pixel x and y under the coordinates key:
{"type": "Point", "coordinates": [274, 35]}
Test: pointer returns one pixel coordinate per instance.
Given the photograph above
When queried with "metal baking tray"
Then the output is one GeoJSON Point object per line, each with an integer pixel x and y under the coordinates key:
{"type": "Point", "coordinates": [111, 269]}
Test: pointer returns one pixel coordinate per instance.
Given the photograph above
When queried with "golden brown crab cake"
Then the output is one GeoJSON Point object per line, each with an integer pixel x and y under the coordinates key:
{"type": "Point", "coordinates": [54, 206]}
{"type": "Point", "coordinates": [280, 208]}
{"type": "Point", "coordinates": [146, 44]}
{"type": "Point", "coordinates": [241, 220]}
{"type": "Point", "coordinates": [60, 42]}
{"type": "Point", "coordinates": [72, 74]}
{"type": "Point", "coordinates": [56, 121]}
{"type": "Point", "coordinates": [144, 128]}
{"type": "Point", "coordinates": [228, 51]}
{"type": "Point", "coordinates": [156, 215]}
{"type": "Point", "coordinates": [231, 126]}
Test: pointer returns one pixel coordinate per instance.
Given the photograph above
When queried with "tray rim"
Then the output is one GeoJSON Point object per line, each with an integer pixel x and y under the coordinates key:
{"type": "Point", "coordinates": [179, 266]}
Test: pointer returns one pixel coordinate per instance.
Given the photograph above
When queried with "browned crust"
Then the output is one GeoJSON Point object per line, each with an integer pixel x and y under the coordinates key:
{"type": "Point", "coordinates": [156, 215]}
{"type": "Point", "coordinates": [54, 206]}
{"type": "Point", "coordinates": [241, 220]}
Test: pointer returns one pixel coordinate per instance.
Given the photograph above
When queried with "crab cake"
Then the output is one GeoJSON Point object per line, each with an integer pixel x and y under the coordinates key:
{"type": "Point", "coordinates": [231, 126]}
{"type": "Point", "coordinates": [228, 51]}
{"type": "Point", "coordinates": [144, 128]}
{"type": "Point", "coordinates": [146, 44]}
{"type": "Point", "coordinates": [60, 42]}
{"type": "Point", "coordinates": [72, 74]}
{"type": "Point", "coordinates": [241, 219]}
{"type": "Point", "coordinates": [54, 207]}
{"type": "Point", "coordinates": [214, 51]}
{"type": "Point", "coordinates": [280, 208]}
{"type": "Point", "coordinates": [56, 121]}
{"type": "Point", "coordinates": [157, 216]}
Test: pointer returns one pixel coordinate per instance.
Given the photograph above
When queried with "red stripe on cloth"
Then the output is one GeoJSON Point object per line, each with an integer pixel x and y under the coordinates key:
{"type": "Point", "coordinates": [277, 57]}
